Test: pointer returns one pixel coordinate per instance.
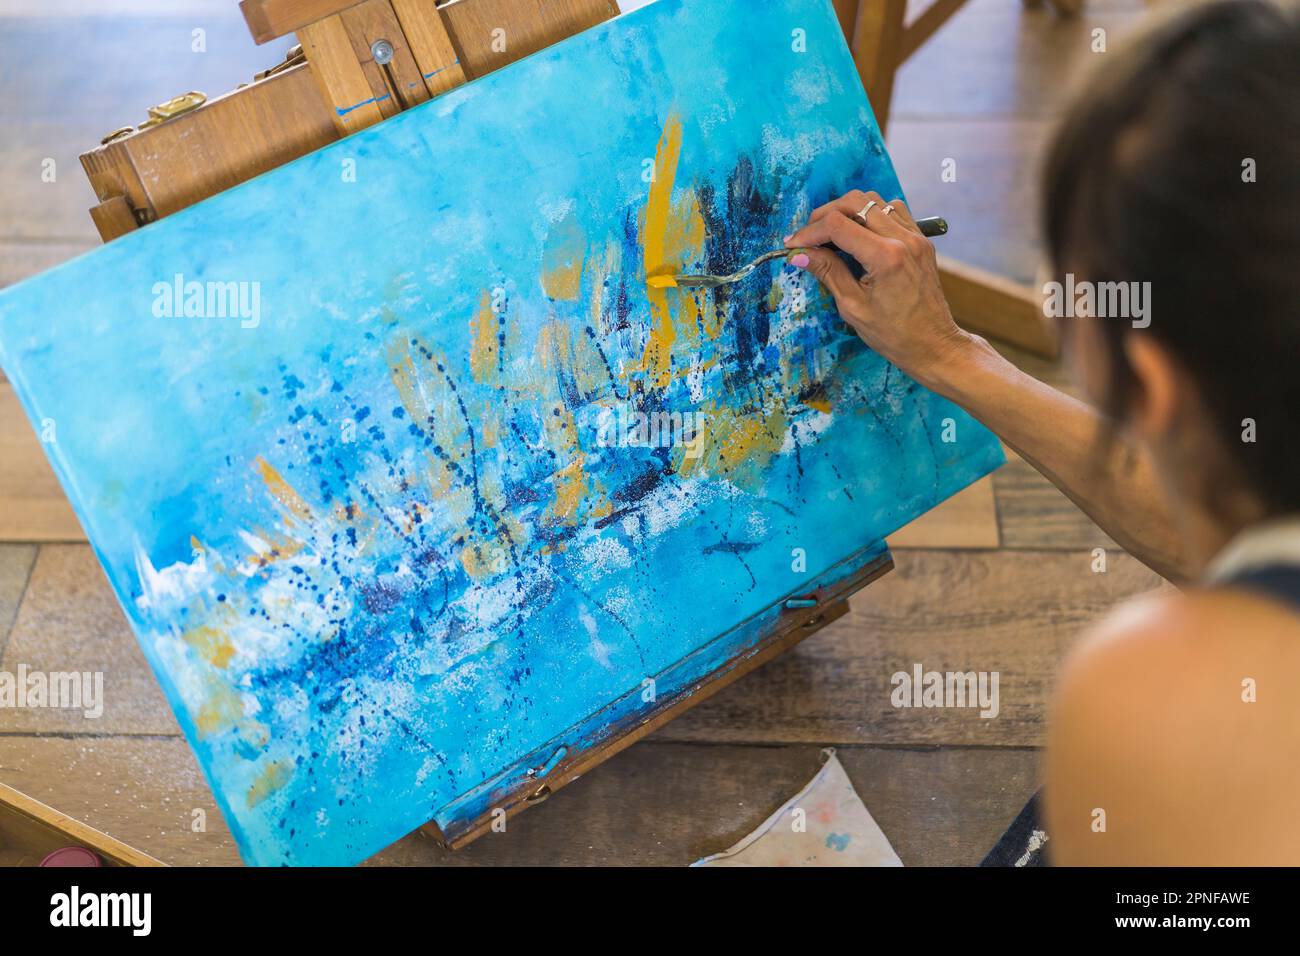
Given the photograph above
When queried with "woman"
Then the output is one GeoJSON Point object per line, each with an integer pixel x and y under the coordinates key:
{"type": "Point", "coordinates": [1175, 733]}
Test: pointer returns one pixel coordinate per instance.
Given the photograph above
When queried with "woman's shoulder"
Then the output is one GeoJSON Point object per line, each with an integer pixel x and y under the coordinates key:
{"type": "Point", "coordinates": [1185, 634]}
{"type": "Point", "coordinates": [1171, 662]}
{"type": "Point", "coordinates": [1165, 716]}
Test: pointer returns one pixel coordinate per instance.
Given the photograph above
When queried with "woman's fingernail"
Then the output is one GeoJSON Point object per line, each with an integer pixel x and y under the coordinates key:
{"type": "Point", "coordinates": [788, 238]}
{"type": "Point", "coordinates": [800, 261]}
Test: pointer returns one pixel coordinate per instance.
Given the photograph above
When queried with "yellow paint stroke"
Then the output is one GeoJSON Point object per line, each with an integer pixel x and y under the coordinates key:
{"type": "Point", "coordinates": [222, 711]}
{"type": "Point", "coordinates": [417, 386]}
{"type": "Point", "coordinates": [578, 496]}
{"type": "Point", "coordinates": [711, 320]}
{"type": "Point", "coordinates": [821, 404]}
{"type": "Point", "coordinates": [775, 296]}
{"type": "Point", "coordinates": [211, 644]}
{"type": "Point", "coordinates": [485, 550]}
{"type": "Point", "coordinates": [654, 239]}
{"type": "Point", "coordinates": [423, 390]}
{"type": "Point", "coordinates": [348, 512]}
{"type": "Point", "coordinates": [555, 351]}
{"type": "Point", "coordinates": [440, 478]}
{"type": "Point", "coordinates": [558, 352]}
{"type": "Point", "coordinates": [282, 491]}
{"type": "Point", "coordinates": [485, 545]}
{"type": "Point", "coordinates": [553, 347]}
{"type": "Point", "coordinates": [735, 445]}
{"type": "Point", "coordinates": [200, 552]}
{"type": "Point", "coordinates": [570, 491]}
{"type": "Point", "coordinates": [483, 559]}
{"type": "Point", "coordinates": [485, 346]}
{"type": "Point", "coordinates": [562, 259]}
{"type": "Point", "coordinates": [569, 482]}
{"type": "Point", "coordinates": [684, 239]}
{"type": "Point", "coordinates": [672, 234]}
{"type": "Point", "coordinates": [690, 318]}
{"type": "Point", "coordinates": [655, 236]}
{"type": "Point", "coordinates": [278, 548]}
{"type": "Point", "coordinates": [401, 370]}
{"type": "Point", "coordinates": [274, 776]}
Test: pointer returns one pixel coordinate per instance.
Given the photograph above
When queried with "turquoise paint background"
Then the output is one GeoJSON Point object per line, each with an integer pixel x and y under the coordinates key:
{"type": "Point", "coordinates": [396, 713]}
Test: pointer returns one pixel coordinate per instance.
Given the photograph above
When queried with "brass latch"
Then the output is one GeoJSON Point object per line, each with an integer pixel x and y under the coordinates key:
{"type": "Point", "coordinates": [537, 773]}
{"type": "Point", "coordinates": [176, 106]}
{"type": "Point", "coordinates": [293, 57]}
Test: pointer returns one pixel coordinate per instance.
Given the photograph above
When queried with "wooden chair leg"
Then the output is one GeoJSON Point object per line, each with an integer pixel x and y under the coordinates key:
{"type": "Point", "coordinates": [1067, 8]}
{"type": "Point", "coordinates": [981, 301]}
{"type": "Point", "coordinates": [877, 41]}
{"type": "Point", "coordinates": [847, 11]}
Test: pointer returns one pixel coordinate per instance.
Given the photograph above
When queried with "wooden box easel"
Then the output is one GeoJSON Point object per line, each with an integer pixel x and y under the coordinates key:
{"type": "Point", "coordinates": [362, 61]}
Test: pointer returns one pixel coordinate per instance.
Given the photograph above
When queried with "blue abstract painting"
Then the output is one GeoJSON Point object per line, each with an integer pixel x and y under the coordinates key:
{"type": "Point", "coordinates": [405, 477]}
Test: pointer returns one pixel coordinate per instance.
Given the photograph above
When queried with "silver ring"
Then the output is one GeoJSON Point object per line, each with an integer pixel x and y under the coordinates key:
{"type": "Point", "coordinates": [861, 214]}
{"type": "Point", "coordinates": [887, 210]}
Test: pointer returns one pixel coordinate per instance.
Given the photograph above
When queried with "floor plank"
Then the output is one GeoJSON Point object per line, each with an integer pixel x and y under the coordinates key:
{"type": "Point", "coordinates": [141, 790]}
{"type": "Point", "coordinates": [69, 620]}
{"type": "Point", "coordinates": [1012, 612]}
{"type": "Point", "coordinates": [999, 58]}
{"type": "Point", "coordinates": [969, 519]}
{"type": "Point", "coordinates": [15, 567]}
{"type": "Point", "coordinates": [671, 804]}
{"type": "Point", "coordinates": [982, 176]}
{"type": "Point", "coordinates": [1034, 514]}
{"type": "Point", "coordinates": [20, 259]}
{"type": "Point", "coordinates": [32, 504]}
{"type": "Point", "coordinates": [1005, 611]}
{"type": "Point", "coordinates": [656, 804]}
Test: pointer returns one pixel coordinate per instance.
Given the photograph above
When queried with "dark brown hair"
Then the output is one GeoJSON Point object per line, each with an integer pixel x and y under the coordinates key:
{"type": "Point", "coordinates": [1148, 181]}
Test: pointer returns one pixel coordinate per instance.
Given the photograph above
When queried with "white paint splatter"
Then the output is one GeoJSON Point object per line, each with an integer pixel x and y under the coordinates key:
{"type": "Point", "coordinates": [599, 649]}
{"type": "Point", "coordinates": [1036, 841]}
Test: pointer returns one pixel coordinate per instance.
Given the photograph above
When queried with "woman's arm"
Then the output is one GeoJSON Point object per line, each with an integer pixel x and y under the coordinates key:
{"type": "Point", "coordinates": [898, 308]}
{"type": "Point", "coordinates": [1058, 435]}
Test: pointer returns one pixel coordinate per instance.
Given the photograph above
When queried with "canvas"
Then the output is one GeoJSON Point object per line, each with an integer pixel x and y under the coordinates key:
{"type": "Point", "coordinates": [407, 482]}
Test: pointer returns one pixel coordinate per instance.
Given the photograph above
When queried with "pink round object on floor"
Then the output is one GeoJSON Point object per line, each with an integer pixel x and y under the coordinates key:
{"type": "Point", "coordinates": [72, 856]}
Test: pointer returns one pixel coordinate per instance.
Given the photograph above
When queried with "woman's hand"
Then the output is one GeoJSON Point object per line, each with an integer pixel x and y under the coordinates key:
{"type": "Point", "coordinates": [897, 307]}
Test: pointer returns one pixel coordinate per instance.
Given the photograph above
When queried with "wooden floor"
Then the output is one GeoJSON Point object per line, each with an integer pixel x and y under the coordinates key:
{"type": "Point", "coordinates": [1000, 579]}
